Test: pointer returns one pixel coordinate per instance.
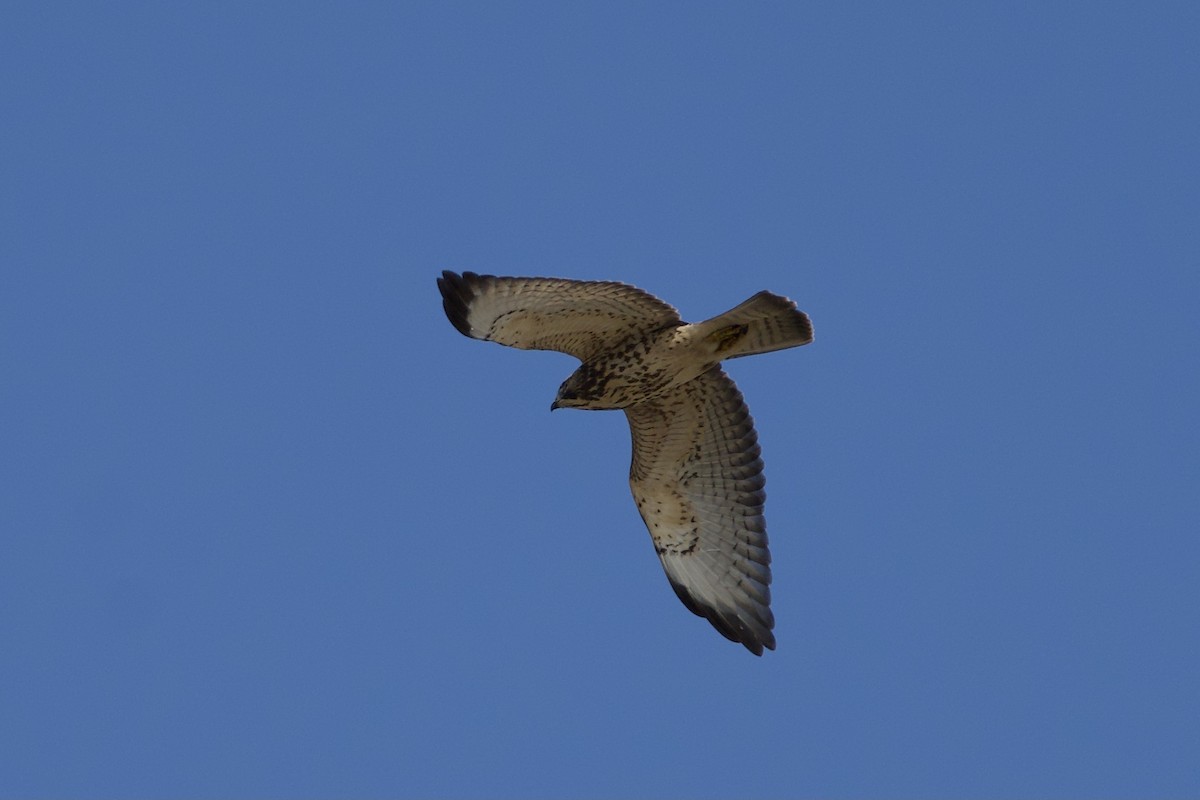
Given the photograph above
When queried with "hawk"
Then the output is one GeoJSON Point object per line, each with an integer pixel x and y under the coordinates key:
{"type": "Point", "coordinates": [696, 474]}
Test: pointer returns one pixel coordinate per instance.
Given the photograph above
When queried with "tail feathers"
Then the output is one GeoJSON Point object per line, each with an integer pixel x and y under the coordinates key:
{"type": "Point", "coordinates": [763, 323]}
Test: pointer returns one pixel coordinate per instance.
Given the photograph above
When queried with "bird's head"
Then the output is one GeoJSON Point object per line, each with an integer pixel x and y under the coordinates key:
{"type": "Point", "coordinates": [569, 395]}
{"type": "Point", "coordinates": [584, 389]}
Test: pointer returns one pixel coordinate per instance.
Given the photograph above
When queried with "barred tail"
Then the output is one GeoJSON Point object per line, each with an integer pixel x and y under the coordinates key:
{"type": "Point", "coordinates": [763, 323]}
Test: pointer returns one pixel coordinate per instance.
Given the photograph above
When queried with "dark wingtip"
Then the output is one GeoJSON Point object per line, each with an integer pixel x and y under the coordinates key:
{"type": "Point", "coordinates": [457, 294]}
{"type": "Point", "coordinates": [729, 626]}
{"type": "Point", "coordinates": [805, 323]}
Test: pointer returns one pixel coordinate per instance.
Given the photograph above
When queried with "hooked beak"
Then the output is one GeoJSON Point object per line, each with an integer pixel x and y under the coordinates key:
{"type": "Point", "coordinates": [554, 405]}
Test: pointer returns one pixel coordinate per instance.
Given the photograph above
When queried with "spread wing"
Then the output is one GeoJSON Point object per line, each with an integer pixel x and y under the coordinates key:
{"type": "Point", "coordinates": [581, 318]}
{"type": "Point", "coordinates": [697, 481]}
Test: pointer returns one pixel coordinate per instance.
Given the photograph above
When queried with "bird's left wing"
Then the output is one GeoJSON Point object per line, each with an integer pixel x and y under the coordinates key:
{"type": "Point", "coordinates": [697, 481]}
{"type": "Point", "coordinates": [581, 318]}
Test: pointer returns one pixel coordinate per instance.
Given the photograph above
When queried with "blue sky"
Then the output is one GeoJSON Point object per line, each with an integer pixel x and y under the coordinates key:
{"type": "Point", "coordinates": [272, 528]}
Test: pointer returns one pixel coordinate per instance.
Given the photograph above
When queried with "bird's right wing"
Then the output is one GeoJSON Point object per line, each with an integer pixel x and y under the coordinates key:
{"type": "Point", "coordinates": [581, 318]}
{"type": "Point", "coordinates": [697, 481]}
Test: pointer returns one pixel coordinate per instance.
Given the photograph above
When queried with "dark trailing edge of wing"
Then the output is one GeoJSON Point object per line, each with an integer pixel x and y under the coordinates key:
{"type": "Point", "coordinates": [728, 626]}
{"type": "Point", "coordinates": [457, 293]}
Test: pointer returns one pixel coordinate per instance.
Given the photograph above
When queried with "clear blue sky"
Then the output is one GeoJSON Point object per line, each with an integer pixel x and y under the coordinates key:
{"type": "Point", "coordinates": [270, 527]}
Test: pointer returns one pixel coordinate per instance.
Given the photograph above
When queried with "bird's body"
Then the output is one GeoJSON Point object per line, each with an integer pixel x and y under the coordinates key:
{"type": "Point", "coordinates": [635, 370]}
{"type": "Point", "coordinates": [696, 475]}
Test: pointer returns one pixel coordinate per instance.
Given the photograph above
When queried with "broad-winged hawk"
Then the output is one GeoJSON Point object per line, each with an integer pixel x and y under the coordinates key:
{"type": "Point", "coordinates": [696, 474]}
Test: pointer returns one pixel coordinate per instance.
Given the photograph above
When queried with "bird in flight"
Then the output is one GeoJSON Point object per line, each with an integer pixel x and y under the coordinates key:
{"type": "Point", "coordinates": [696, 474]}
